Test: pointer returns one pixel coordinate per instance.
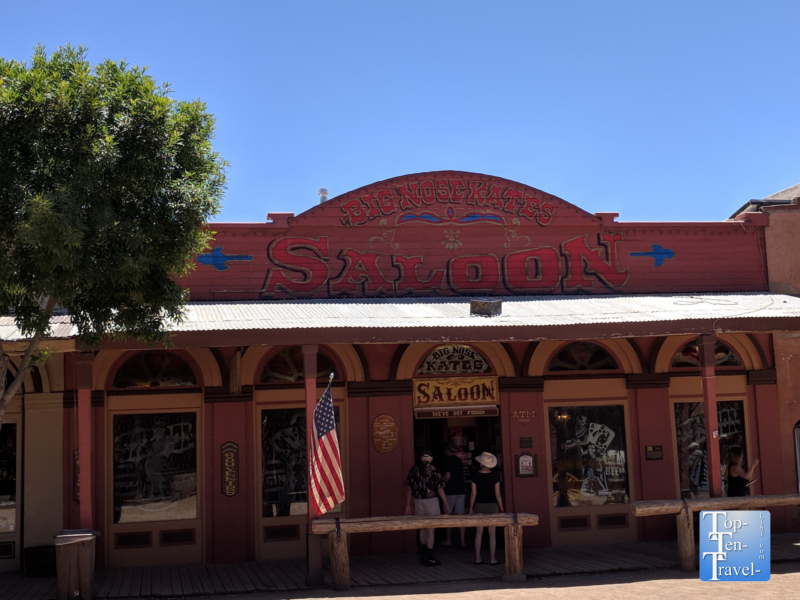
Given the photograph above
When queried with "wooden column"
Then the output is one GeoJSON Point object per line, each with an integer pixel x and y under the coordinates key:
{"type": "Point", "coordinates": [514, 553]}
{"type": "Point", "coordinates": [340, 560]}
{"type": "Point", "coordinates": [314, 575]}
{"type": "Point", "coordinates": [82, 364]}
{"type": "Point", "coordinates": [686, 549]}
{"type": "Point", "coordinates": [708, 362]}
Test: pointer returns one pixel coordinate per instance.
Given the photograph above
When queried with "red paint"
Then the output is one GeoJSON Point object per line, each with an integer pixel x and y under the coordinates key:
{"type": "Point", "coordinates": [86, 460]}
{"type": "Point", "coordinates": [528, 494]}
{"type": "Point", "coordinates": [707, 374]}
{"type": "Point", "coordinates": [387, 472]}
{"type": "Point", "coordinates": [454, 234]}
{"type": "Point", "coordinates": [232, 529]}
{"type": "Point", "coordinates": [358, 484]}
{"type": "Point", "coordinates": [770, 469]}
{"type": "Point", "coordinates": [655, 478]}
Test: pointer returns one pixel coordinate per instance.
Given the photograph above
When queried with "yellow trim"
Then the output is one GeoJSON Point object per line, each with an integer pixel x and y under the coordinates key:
{"type": "Point", "coordinates": [103, 362]}
{"type": "Point", "coordinates": [565, 389]}
{"type": "Point", "coordinates": [493, 351]}
{"type": "Point", "coordinates": [739, 343]}
{"type": "Point", "coordinates": [621, 349]}
{"type": "Point", "coordinates": [153, 402]}
{"type": "Point", "coordinates": [208, 365]}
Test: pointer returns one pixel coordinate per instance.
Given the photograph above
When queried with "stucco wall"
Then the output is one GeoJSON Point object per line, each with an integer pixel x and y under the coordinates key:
{"type": "Point", "coordinates": [43, 481]}
{"type": "Point", "coordinates": [783, 248]}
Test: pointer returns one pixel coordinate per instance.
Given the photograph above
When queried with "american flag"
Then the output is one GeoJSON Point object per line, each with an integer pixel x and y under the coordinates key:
{"type": "Point", "coordinates": [325, 477]}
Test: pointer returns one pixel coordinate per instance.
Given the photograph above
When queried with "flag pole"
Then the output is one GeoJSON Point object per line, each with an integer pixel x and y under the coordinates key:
{"type": "Point", "coordinates": [314, 575]}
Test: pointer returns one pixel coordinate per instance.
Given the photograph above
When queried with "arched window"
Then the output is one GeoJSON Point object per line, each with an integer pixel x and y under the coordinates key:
{"type": "Point", "coordinates": [583, 356]}
{"type": "Point", "coordinates": [689, 356]}
{"type": "Point", "coordinates": [155, 368]}
{"type": "Point", "coordinates": [287, 367]}
{"type": "Point", "coordinates": [454, 359]}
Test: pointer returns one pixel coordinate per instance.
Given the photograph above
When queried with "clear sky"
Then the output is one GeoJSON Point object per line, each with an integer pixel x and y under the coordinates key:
{"type": "Point", "coordinates": [679, 110]}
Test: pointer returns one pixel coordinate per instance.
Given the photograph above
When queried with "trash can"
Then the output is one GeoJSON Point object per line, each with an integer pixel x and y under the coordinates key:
{"type": "Point", "coordinates": [75, 563]}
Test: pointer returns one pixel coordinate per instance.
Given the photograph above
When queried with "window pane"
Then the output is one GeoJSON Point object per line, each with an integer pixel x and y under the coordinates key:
{"type": "Point", "coordinates": [284, 482]}
{"type": "Point", "coordinates": [8, 477]}
{"type": "Point", "coordinates": [155, 467]}
{"type": "Point", "coordinates": [690, 429]}
{"type": "Point", "coordinates": [154, 368]}
{"type": "Point", "coordinates": [589, 455]}
{"type": "Point", "coordinates": [582, 356]}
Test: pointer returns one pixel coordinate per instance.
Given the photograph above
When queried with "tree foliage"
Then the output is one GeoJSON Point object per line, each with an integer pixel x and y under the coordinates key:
{"type": "Point", "coordinates": [106, 183]}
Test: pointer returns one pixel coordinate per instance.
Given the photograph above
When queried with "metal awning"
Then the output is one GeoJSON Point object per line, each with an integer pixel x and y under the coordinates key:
{"type": "Point", "coordinates": [374, 320]}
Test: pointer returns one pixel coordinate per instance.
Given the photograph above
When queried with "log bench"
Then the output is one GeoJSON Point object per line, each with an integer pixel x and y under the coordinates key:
{"type": "Point", "coordinates": [337, 531]}
{"type": "Point", "coordinates": [685, 509]}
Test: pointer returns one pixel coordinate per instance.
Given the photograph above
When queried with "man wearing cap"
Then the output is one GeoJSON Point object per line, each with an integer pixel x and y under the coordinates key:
{"type": "Point", "coordinates": [425, 483]}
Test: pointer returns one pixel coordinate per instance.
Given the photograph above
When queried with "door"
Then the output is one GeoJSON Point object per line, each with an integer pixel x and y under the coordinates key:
{"type": "Point", "coordinates": [10, 485]}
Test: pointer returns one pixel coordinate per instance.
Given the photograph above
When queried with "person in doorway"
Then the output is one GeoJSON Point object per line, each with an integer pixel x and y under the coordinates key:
{"type": "Point", "coordinates": [425, 483]}
{"type": "Point", "coordinates": [738, 478]}
{"type": "Point", "coordinates": [486, 500]}
{"type": "Point", "coordinates": [454, 488]}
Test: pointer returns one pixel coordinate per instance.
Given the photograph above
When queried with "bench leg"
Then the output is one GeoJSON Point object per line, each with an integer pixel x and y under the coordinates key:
{"type": "Point", "coordinates": [686, 550]}
{"type": "Point", "coordinates": [514, 553]}
{"type": "Point", "coordinates": [340, 560]}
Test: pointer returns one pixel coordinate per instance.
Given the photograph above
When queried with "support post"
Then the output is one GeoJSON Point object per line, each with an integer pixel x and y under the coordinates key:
{"type": "Point", "coordinates": [707, 349]}
{"type": "Point", "coordinates": [82, 365]}
{"type": "Point", "coordinates": [340, 560]}
{"type": "Point", "coordinates": [514, 553]}
{"type": "Point", "coordinates": [314, 576]}
{"type": "Point", "coordinates": [686, 549]}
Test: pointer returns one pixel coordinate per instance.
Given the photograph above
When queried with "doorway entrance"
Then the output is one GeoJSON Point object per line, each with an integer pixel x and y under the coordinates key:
{"type": "Point", "coordinates": [470, 435]}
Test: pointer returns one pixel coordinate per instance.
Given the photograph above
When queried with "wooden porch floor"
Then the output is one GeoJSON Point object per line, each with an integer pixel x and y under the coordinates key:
{"type": "Point", "coordinates": [279, 576]}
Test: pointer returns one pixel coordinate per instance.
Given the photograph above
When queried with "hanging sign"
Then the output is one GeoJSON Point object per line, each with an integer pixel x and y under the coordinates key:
{"type": "Point", "coordinates": [384, 434]}
{"type": "Point", "coordinates": [455, 391]}
{"type": "Point", "coordinates": [230, 469]}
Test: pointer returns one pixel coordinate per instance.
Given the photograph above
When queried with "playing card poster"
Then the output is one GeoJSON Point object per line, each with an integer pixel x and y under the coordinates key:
{"type": "Point", "coordinates": [589, 455]}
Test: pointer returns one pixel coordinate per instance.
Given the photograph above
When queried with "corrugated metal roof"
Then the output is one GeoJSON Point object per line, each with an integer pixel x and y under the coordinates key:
{"type": "Point", "coordinates": [386, 313]}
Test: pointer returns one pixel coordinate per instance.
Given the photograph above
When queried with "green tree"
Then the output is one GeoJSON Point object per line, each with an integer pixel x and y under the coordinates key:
{"type": "Point", "coordinates": [106, 183]}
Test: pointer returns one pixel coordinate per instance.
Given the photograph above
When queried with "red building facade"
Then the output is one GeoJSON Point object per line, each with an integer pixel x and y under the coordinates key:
{"type": "Point", "coordinates": [587, 387]}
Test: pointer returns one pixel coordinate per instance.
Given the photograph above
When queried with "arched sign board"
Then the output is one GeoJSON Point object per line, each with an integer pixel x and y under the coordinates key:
{"type": "Point", "coordinates": [451, 233]}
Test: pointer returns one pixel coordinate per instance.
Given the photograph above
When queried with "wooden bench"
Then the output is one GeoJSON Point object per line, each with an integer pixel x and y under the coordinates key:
{"type": "Point", "coordinates": [685, 509]}
{"type": "Point", "coordinates": [338, 529]}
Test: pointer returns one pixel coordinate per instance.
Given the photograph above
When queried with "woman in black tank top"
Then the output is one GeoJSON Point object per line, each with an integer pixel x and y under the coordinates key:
{"type": "Point", "coordinates": [738, 478]}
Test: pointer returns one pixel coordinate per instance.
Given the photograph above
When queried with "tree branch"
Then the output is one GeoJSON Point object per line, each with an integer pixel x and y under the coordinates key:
{"type": "Point", "coordinates": [24, 365]}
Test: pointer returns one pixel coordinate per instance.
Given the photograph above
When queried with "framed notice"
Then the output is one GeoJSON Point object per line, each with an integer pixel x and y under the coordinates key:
{"type": "Point", "coordinates": [527, 465]}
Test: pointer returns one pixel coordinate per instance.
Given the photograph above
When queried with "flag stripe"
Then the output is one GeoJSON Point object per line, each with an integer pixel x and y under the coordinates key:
{"type": "Point", "coordinates": [325, 469]}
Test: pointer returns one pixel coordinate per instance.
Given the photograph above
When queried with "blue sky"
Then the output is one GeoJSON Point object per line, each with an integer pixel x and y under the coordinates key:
{"type": "Point", "coordinates": [657, 110]}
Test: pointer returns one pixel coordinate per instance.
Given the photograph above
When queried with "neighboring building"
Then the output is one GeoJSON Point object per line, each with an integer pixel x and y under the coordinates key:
{"type": "Point", "coordinates": [587, 386]}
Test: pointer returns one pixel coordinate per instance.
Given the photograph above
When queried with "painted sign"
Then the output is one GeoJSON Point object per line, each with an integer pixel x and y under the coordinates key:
{"type": "Point", "coordinates": [469, 411]}
{"type": "Point", "coordinates": [455, 391]}
{"type": "Point", "coordinates": [461, 234]}
{"type": "Point", "coordinates": [384, 434]}
{"type": "Point", "coordinates": [453, 359]}
{"type": "Point", "coordinates": [230, 469]}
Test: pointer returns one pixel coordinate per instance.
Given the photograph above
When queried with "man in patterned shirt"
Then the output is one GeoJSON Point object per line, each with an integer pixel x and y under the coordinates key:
{"type": "Point", "coordinates": [425, 483]}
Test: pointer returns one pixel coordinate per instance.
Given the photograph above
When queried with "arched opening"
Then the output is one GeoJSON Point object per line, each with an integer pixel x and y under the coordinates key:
{"type": "Point", "coordinates": [582, 356]}
{"type": "Point", "coordinates": [688, 357]}
{"type": "Point", "coordinates": [286, 367]}
{"type": "Point", "coordinates": [154, 368]}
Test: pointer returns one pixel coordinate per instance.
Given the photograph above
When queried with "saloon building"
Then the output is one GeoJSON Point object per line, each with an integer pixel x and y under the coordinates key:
{"type": "Point", "coordinates": [592, 384]}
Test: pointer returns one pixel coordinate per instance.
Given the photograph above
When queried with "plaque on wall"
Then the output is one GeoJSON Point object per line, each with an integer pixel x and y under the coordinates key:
{"type": "Point", "coordinates": [654, 453]}
{"type": "Point", "coordinates": [384, 434]}
{"type": "Point", "coordinates": [230, 469]}
{"type": "Point", "coordinates": [527, 465]}
{"type": "Point", "coordinates": [526, 442]}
